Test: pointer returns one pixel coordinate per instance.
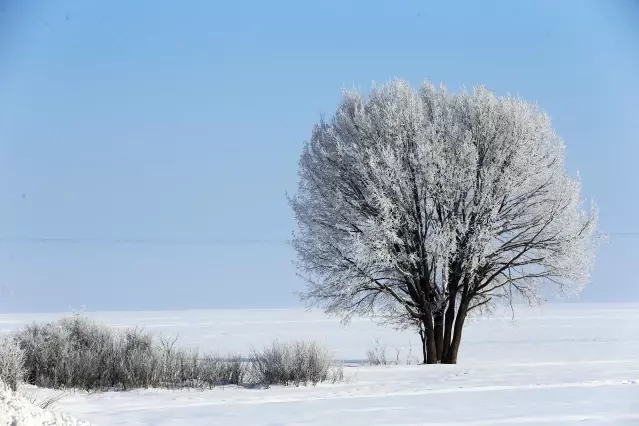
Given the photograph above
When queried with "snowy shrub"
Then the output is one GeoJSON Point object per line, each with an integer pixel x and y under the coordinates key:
{"type": "Point", "coordinates": [135, 359]}
{"type": "Point", "coordinates": [73, 352]}
{"type": "Point", "coordinates": [215, 371]}
{"type": "Point", "coordinates": [377, 355]}
{"type": "Point", "coordinates": [11, 362]}
{"type": "Point", "coordinates": [336, 373]}
{"type": "Point", "coordinates": [293, 363]}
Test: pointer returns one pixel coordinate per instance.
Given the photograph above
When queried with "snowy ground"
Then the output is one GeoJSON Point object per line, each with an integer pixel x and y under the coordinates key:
{"type": "Point", "coordinates": [565, 364]}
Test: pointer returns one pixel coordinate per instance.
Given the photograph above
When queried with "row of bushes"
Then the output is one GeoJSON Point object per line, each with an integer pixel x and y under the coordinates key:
{"type": "Point", "coordinates": [77, 352]}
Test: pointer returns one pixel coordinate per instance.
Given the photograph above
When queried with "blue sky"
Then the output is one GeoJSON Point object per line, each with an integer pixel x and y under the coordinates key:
{"type": "Point", "coordinates": [184, 121]}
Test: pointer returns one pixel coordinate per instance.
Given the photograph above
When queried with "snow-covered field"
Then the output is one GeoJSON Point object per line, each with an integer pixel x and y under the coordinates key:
{"type": "Point", "coordinates": [563, 364]}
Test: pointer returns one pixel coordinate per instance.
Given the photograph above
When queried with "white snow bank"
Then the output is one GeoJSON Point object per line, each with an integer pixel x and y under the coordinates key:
{"type": "Point", "coordinates": [16, 410]}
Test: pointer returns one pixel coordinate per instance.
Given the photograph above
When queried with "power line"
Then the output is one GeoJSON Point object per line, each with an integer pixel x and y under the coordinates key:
{"type": "Point", "coordinates": [137, 241]}
{"type": "Point", "coordinates": [180, 241]}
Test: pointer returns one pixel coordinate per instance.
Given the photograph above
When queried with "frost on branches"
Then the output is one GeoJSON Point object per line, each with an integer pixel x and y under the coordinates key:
{"type": "Point", "coordinates": [422, 207]}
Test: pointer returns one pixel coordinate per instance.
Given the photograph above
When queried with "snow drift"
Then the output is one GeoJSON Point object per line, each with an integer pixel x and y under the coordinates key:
{"type": "Point", "coordinates": [16, 410]}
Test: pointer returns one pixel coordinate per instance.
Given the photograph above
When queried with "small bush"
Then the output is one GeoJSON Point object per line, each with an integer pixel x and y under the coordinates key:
{"type": "Point", "coordinates": [11, 362]}
{"type": "Point", "coordinates": [73, 352]}
{"type": "Point", "coordinates": [216, 371]}
{"type": "Point", "coordinates": [295, 363]}
{"type": "Point", "coordinates": [377, 355]}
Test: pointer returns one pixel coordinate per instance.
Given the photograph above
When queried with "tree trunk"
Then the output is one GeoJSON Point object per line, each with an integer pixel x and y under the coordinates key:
{"type": "Point", "coordinates": [439, 333]}
{"type": "Point", "coordinates": [449, 321]}
{"type": "Point", "coordinates": [422, 335]}
{"type": "Point", "coordinates": [431, 349]}
{"type": "Point", "coordinates": [451, 356]}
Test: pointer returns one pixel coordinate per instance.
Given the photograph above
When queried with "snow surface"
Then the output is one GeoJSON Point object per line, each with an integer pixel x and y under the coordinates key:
{"type": "Point", "coordinates": [15, 410]}
{"type": "Point", "coordinates": [564, 364]}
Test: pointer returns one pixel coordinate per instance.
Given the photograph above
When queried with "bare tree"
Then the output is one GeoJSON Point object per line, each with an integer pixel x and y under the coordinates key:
{"type": "Point", "coordinates": [419, 207]}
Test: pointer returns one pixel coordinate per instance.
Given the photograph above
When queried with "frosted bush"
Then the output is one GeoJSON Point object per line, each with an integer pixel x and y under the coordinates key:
{"type": "Point", "coordinates": [11, 362]}
{"type": "Point", "coordinates": [293, 363]}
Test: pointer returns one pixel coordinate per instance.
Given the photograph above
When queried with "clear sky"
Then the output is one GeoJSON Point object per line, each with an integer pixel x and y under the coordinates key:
{"type": "Point", "coordinates": [180, 122]}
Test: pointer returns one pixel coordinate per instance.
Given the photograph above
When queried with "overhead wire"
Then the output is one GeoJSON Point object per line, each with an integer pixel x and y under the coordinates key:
{"type": "Point", "coordinates": [182, 241]}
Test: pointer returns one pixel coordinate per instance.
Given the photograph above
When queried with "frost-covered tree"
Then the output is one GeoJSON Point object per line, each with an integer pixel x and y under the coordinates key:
{"type": "Point", "coordinates": [420, 207]}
